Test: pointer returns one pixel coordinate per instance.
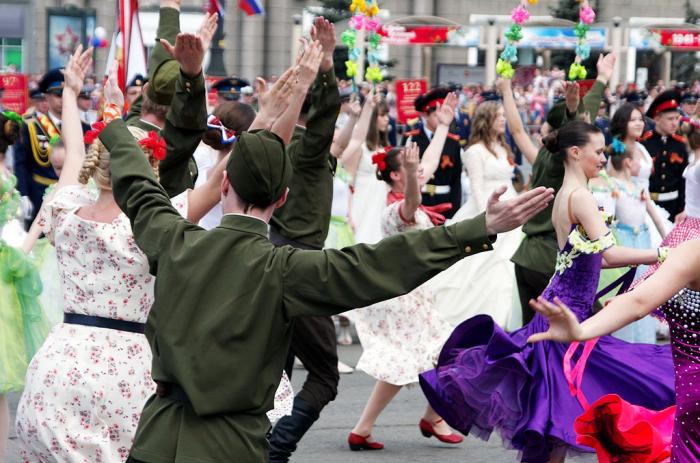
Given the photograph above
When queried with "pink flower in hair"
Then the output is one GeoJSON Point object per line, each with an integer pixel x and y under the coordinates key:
{"type": "Point", "coordinates": [520, 14]}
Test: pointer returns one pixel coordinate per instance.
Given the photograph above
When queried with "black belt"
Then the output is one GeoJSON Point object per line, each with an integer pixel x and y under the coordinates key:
{"type": "Point", "coordinates": [279, 240]}
{"type": "Point", "coordinates": [102, 322]}
{"type": "Point", "coordinates": [172, 391]}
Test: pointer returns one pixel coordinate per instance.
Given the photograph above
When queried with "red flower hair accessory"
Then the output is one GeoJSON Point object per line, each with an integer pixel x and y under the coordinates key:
{"type": "Point", "coordinates": [379, 158]}
{"type": "Point", "coordinates": [156, 144]}
{"type": "Point", "coordinates": [92, 134]}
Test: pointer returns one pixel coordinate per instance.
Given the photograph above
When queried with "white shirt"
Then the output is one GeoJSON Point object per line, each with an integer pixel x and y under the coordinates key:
{"type": "Point", "coordinates": [692, 190]}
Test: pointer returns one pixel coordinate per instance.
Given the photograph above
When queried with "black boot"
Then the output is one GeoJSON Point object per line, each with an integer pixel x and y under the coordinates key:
{"type": "Point", "coordinates": [290, 429]}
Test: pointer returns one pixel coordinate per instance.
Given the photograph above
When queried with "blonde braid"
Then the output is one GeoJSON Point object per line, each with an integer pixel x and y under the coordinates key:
{"type": "Point", "coordinates": [90, 162]}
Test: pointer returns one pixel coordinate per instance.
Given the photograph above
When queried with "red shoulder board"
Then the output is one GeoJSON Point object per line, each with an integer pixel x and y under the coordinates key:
{"type": "Point", "coordinates": [412, 133]}
{"type": "Point", "coordinates": [453, 136]}
{"type": "Point", "coordinates": [647, 135]}
{"type": "Point", "coordinates": [679, 138]}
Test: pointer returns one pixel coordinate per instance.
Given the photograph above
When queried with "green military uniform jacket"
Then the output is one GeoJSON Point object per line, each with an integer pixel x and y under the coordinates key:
{"type": "Point", "coordinates": [225, 301]}
{"type": "Point", "coordinates": [306, 215]}
{"type": "Point", "coordinates": [187, 117]}
{"type": "Point", "coordinates": [538, 250]}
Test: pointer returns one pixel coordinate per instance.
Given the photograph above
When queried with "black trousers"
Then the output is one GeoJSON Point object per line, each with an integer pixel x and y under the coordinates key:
{"type": "Point", "coordinates": [315, 344]}
{"type": "Point", "coordinates": [531, 284]}
{"type": "Point", "coordinates": [674, 207]}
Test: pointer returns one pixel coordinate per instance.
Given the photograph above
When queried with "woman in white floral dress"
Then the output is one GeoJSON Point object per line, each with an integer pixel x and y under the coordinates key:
{"type": "Point", "coordinates": [402, 337]}
{"type": "Point", "coordinates": [87, 385]}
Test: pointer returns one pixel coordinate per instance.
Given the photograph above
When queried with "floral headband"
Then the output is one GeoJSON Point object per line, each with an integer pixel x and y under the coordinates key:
{"type": "Point", "coordinates": [379, 158]}
{"type": "Point", "coordinates": [156, 144]}
{"type": "Point", "coordinates": [228, 136]}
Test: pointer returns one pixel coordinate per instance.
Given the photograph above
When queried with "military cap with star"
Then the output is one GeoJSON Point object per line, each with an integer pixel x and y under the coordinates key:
{"type": "Point", "coordinates": [665, 102]}
{"type": "Point", "coordinates": [691, 98]}
{"type": "Point", "coordinates": [52, 82]}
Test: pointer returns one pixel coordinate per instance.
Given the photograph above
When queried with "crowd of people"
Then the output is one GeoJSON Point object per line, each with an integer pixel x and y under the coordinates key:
{"type": "Point", "coordinates": [165, 261]}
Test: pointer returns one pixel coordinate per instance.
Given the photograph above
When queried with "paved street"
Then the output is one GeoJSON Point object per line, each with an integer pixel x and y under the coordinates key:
{"type": "Point", "coordinates": [397, 428]}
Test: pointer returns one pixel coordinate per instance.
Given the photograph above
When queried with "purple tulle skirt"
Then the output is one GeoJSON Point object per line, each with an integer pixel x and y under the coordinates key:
{"type": "Point", "coordinates": [487, 380]}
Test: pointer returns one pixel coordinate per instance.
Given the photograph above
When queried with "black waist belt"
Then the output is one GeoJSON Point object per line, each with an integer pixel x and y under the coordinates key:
{"type": "Point", "coordinates": [172, 391]}
{"type": "Point", "coordinates": [102, 322]}
{"type": "Point", "coordinates": [279, 240]}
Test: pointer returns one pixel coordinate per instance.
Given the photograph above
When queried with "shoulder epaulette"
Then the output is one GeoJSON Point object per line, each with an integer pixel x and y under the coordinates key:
{"type": "Point", "coordinates": [647, 135]}
{"type": "Point", "coordinates": [679, 138]}
{"type": "Point", "coordinates": [412, 133]}
{"type": "Point", "coordinates": [454, 136]}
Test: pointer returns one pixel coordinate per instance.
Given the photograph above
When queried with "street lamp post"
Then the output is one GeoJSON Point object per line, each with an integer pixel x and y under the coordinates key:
{"type": "Point", "coordinates": [216, 62]}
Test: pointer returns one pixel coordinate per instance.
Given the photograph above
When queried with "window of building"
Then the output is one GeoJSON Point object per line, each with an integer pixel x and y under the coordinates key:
{"type": "Point", "coordinates": [11, 54]}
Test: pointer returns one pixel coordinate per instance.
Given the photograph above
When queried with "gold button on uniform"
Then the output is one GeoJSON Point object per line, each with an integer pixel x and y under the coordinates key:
{"type": "Point", "coordinates": [468, 249]}
{"type": "Point", "coordinates": [663, 176]}
{"type": "Point", "coordinates": [485, 247]}
{"type": "Point", "coordinates": [663, 164]}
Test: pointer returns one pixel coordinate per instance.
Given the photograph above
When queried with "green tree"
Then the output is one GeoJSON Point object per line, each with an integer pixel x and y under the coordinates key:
{"type": "Point", "coordinates": [335, 10]}
{"type": "Point", "coordinates": [686, 65]}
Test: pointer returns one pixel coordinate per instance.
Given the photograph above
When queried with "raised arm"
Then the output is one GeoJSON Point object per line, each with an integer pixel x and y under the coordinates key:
{"type": "Point", "coordinates": [71, 130]}
{"type": "Point", "coordinates": [308, 69]}
{"type": "Point", "coordinates": [204, 197]}
{"type": "Point", "coordinates": [350, 159]}
{"type": "Point", "coordinates": [273, 102]}
{"type": "Point", "coordinates": [591, 102]}
{"type": "Point", "coordinates": [515, 123]}
{"type": "Point", "coordinates": [333, 281]}
{"type": "Point", "coordinates": [342, 136]}
{"type": "Point", "coordinates": [410, 158]}
{"type": "Point", "coordinates": [680, 270]}
{"type": "Point", "coordinates": [431, 157]}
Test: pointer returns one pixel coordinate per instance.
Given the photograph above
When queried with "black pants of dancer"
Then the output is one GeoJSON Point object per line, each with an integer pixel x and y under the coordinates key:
{"type": "Point", "coordinates": [531, 284]}
{"type": "Point", "coordinates": [315, 344]}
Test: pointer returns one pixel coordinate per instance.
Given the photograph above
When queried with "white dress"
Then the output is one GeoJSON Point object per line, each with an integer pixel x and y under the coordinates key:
{"type": "Point", "coordinates": [483, 283]}
{"type": "Point", "coordinates": [86, 387]}
{"type": "Point", "coordinates": [368, 200]}
{"type": "Point", "coordinates": [401, 337]}
{"type": "Point", "coordinates": [206, 158]}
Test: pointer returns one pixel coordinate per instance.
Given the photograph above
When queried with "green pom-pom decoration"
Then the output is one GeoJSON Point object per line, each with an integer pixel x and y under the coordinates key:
{"type": "Point", "coordinates": [580, 30]}
{"type": "Point", "coordinates": [374, 40]}
{"type": "Point", "coordinates": [515, 33]}
{"type": "Point", "coordinates": [348, 38]}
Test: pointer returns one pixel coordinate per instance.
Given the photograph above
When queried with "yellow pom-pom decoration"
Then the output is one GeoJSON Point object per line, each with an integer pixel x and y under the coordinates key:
{"type": "Point", "coordinates": [350, 68]}
{"type": "Point", "coordinates": [374, 74]}
{"type": "Point", "coordinates": [358, 6]}
{"type": "Point", "coordinates": [505, 69]}
{"type": "Point", "coordinates": [532, 2]}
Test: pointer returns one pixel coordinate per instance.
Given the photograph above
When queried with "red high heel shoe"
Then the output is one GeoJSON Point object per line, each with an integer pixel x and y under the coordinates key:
{"type": "Point", "coordinates": [360, 443]}
{"type": "Point", "coordinates": [428, 431]}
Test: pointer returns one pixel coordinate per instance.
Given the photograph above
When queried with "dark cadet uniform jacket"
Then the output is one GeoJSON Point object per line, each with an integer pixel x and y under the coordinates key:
{"type": "Point", "coordinates": [448, 173]}
{"type": "Point", "coordinates": [305, 217]}
{"type": "Point", "coordinates": [670, 156]}
{"type": "Point", "coordinates": [538, 250]}
{"type": "Point", "coordinates": [187, 117]}
{"type": "Point", "coordinates": [225, 301]}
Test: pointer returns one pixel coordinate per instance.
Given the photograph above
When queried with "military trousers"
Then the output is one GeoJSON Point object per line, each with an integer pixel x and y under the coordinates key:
{"type": "Point", "coordinates": [531, 285]}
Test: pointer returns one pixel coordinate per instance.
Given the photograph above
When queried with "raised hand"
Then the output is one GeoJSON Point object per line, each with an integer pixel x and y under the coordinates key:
{"type": "Point", "coordinates": [446, 111]}
{"type": "Point", "coordinates": [503, 85]}
{"type": "Point", "coordinates": [309, 64]}
{"type": "Point", "coordinates": [563, 325]}
{"type": "Point", "coordinates": [503, 216]}
{"type": "Point", "coordinates": [324, 32]}
{"type": "Point", "coordinates": [411, 158]}
{"type": "Point", "coordinates": [273, 102]}
{"type": "Point", "coordinates": [77, 68]}
{"type": "Point", "coordinates": [112, 93]}
{"type": "Point", "coordinates": [188, 51]}
{"type": "Point", "coordinates": [354, 109]}
{"type": "Point", "coordinates": [572, 96]}
{"type": "Point", "coordinates": [208, 29]}
{"type": "Point", "coordinates": [605, 66]}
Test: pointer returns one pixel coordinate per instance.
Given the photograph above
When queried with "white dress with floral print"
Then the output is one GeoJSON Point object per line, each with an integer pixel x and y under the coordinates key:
{"type": "Point", "coordinates": [401, 337]}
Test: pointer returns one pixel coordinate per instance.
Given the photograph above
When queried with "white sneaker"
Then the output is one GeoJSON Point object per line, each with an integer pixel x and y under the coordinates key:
{"type": "Point", "coordinates": [344, 369]}
{"type": "Point", "coordinates": [344, 337]}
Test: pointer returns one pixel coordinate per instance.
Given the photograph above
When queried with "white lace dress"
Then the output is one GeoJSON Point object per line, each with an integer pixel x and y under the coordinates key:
{"type": "Point", "coordinates": [368, 200]}
{"type": "Point", "coordinates": [401, 337]}
{"type": "Point", "coordinates": [483, 283]}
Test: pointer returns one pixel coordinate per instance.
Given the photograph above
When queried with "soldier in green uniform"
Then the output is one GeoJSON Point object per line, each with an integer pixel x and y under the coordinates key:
{"type": "Point", "coordinates": [303, 222]}
{"type": "Point", "coordinates": [226, 299]}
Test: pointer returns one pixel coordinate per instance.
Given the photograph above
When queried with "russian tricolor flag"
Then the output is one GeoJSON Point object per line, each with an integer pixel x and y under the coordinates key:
{"type": "Point", "coordinates": [251, 7]}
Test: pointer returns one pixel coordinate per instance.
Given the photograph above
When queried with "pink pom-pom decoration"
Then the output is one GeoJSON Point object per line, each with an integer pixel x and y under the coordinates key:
{"type": "Point", "coordinates": [357, 22]}
{"type": "Point", "coordinates": [587, 15]}
{"type": "Point", "coordinates": [373, 25]}
{"type": "Point", "coordinates": [520, 15]}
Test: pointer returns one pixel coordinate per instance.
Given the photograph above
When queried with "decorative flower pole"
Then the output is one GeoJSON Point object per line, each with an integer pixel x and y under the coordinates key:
{"type": "Point", "coordinates": [363, 40]}
{"type": "Point", "coordinates": [509, 55]}
{"type": "Point", "coordinates": [586, 15]}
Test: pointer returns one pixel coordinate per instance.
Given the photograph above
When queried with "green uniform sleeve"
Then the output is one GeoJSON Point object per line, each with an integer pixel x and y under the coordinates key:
{"type": "Point", "coordinates": [138, 193]}
{"type": "Point", "coordinates": [184, 125]}
{"type": "Point", "coordinates": [168, 28]}
{"type": "Point", "coordinates": [591, 102]}
{"type": "Point", "coordinates": [313, 147]}
{"type": "Point", "coordinates": [332, 281]}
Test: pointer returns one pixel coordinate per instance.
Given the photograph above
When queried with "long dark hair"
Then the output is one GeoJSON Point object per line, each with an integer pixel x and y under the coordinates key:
{"type": "Point", "coordinates": [375, 138]}
{"type": "Point", "coordinates": [621, 118]}
{"type": "Point", "coordinates": [9, 132]}
{"type": "Point", "coordinates": [574, 133]}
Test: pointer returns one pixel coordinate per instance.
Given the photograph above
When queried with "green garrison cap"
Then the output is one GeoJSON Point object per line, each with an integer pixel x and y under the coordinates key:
{"type": "Point", "coordinates": [161, 88]}
{"type": "Point", "coordinates": [259, 169]}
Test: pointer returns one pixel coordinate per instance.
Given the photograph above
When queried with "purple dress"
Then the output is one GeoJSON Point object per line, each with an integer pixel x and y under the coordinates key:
{"type": "Point", "coordinates": [488, 379]}
{"type": "Point", "coordinates": [683, 315]}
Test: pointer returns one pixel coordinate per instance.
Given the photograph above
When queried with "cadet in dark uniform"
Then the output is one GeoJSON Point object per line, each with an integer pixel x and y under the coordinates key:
{"type": "Point", "coordinates": [446, 184]}
{"type": "Point", "coordinates": [229, 89]}
{"type": "Point", "coordinates": [669, 152]}
{"type": "Point", "coordinates": [689, 104]}
{"type": "Point", "coordinates": [133, 89]}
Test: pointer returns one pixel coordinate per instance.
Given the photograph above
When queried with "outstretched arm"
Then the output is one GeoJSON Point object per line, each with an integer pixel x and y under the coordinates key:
{"type": "Point", "coordinates": [72, 131]}
{"type": "Point", "coordinates": [515, 123]}
{"type": "Point", "coordinates": [679, 271]}
{"type": "Point", "coordinates": [342, 136]}
{"type": "Point", "coordinates": [350, 159]}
